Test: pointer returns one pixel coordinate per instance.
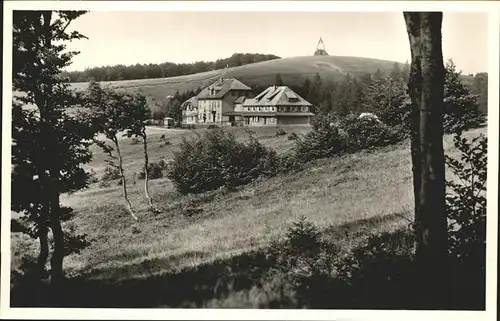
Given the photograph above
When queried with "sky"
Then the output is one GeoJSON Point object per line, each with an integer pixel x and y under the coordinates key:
{"type": "Point", "coordinates": [185, 37]}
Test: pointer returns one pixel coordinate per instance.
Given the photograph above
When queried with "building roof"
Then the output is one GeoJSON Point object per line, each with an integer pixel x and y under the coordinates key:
{"type": "Point", "coordinates": [277, 96]}
{"type": "Point", "coordinates": [193, 101]}
{"type": "Point", "coordinates": [265, 113]}
{"type": "Point", "coordinates": [221, 87]}
{"type": "Point", "coordinates": [240, 100]}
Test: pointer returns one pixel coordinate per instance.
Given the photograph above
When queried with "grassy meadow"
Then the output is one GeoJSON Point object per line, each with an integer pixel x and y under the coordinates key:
{"type": "Point", "coordinates": [349, 197]}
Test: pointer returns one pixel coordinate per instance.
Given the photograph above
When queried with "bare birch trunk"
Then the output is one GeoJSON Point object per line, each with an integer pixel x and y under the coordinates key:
{"type": "Point", "coordinates": [124, 181]}
{"type": "Point", "coordinates": [146, 174]}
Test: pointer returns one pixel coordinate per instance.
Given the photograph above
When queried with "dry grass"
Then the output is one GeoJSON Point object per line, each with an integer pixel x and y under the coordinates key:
{"type": "Point", "coordinates": [329, 193]}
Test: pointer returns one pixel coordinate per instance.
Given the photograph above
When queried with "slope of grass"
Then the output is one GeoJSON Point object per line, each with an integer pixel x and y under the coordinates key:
{"type": "Point", "coordinates": [199, 236]}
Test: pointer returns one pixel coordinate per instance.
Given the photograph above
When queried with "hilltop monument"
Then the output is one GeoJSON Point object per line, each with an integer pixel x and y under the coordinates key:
{"type": "Point", "coordinates": [320, 49]}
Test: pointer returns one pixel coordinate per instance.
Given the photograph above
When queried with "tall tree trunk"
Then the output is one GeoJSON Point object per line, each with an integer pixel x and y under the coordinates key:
{"type": "Point", "coordinates": [424, 30]}
{"type": "Point", "coordinates": [412, 20]}
{"type": "Point", "coordinates": [432, 249]}
{"type": "Point", "coordinates": [146, 174]}
{"type": "Point", "coordinates": [44, 248]}
{"type": "Point", "coordinates": [124, 181]}
{"type": "Point", "coordinates": [56, 261]}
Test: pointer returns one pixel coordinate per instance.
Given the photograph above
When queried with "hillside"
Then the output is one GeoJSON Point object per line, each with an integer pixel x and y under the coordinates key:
{"type": "Point", "coordinates": [178, 254]}
{"type": "Point", "coordinates": [292, 70]}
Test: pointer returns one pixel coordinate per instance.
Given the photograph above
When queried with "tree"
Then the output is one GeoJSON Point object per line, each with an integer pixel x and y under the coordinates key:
{"type": "Point", "coordinates": [406, 71]}
{"type": "Point", "coordinates": [278, 81]}
{"type": "Point", "coordinates": [426, 88]}
{"type": "Point", "coordinates": [461, 109]}
{"type": "Point", "coordinates": [136, 115]}
{"type": "Point", "coordinates": [377, 75]}
{"type": "Point", "coordinates": [480, 88]}
{"type": "Point", "coordinates": [396, 72]}
{"type": "Point", "coordinates": [315, 90]}
{"type": "Point", "coordinates": [49, 145]}
{"type": "Point", "coordinates": [173, 107]}
{"type": "Point", "coordinates": [108, 112]}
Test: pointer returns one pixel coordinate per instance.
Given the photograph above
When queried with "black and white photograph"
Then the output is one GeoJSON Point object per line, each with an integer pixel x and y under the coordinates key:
{"type": "Point", "coordinates": [250, 160]}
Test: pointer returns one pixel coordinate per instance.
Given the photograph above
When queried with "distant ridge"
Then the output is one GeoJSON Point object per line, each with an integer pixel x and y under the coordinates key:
{"type": "Point", "coordinates": [293, 71]}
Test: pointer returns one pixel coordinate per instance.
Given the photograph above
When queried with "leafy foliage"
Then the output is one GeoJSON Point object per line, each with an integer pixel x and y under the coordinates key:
{"type": "Point", "coordinates": [363, 133]}
{"type": "Point", "coordinates": [280, 132]}
{"type": "Point", "coordinates": [466, 200]}
{"type": "Point", "coordinates": [49, 144]}
{"type": "Point", "coordinates": [292, 136]}
{"type": "Point", "coordinates": [461, 109]}
{"type": "Point", "coordinates": [110, 174]}
{"type": "Point", "coordinates": [217, 159]}
{"type": "Point", "coordinates": [155, 170]}
{"type": "Point", "coordinates": [326, 139]}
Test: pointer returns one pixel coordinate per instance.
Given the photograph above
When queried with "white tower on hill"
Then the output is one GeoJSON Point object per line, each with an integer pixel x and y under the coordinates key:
{"type": "Point", "coordinates": [320, 49]}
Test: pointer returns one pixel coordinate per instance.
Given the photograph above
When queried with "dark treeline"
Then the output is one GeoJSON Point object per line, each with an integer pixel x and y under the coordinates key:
{"type": "Point", "coordinates": [382, 93]}
{"type": "Point", "coordinates": [167, 69]}
{"type": "Point", "coordinates": [172, 107]}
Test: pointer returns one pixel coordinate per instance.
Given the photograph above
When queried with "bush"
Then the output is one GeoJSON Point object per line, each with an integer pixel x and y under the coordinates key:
{"type": "Point", "coordinates": [293, 136]}
{"type": "Point", "coordinates": [217, 159]}
{"type": "Point", "coordinates": [332, 135]}
{"type": "Point", "coordinates": [212, 126]}
{"type": "Point", "coordinates": [92, 177]}
{"type": "Point", "coordinates": [369, 132]}
{"type": "Point", "coordinates": [110, 174]}
{"type": "Point", "coordinates": [155, 170]}
{"type": "Point", "coordinates": [326, 139]}
{"type": "Point", "coordinates": [280, 132]}
{"type": "Point", "coordinates": [466, 203]}
{"type": "Point", "coordinates": [104, 184]}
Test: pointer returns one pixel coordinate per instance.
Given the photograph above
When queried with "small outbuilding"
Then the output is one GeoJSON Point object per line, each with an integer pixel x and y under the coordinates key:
{"type": "Point", "coordinates": [168, 122]}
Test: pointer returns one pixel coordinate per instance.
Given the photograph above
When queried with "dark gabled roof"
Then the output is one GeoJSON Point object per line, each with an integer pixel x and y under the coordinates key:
{"type": "Point", "coordinates": [277, 96]}
{"type": "Point", "coordinates": [193, 101]}
{"type": "Point", "coordinates": [221, 87]}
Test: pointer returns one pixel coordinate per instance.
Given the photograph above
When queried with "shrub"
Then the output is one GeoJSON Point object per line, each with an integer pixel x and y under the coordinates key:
{"type": "Point", "coordinates": [466, 202]}
{"type": "Point", "coordinates": [326, 139]}
{"type": "Point", "coordinates": [92, 177]}
{"type": "Point", "coordinates": [293, 136]}
{"type": "Point", "coordinates": [104, 184]}
{"type": "Point", "coordinates": [280, 132]}
{"type": "Point", "coordinates": [155, 170]}
{"type": "Point", "coordinates": [369, 132]}
{"type": "Point", "coordinates": [111, 173]}
{"type": "Point", "coordinates": [212, 126]}
{"type": "Point", "coordinates": [217, 159]}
